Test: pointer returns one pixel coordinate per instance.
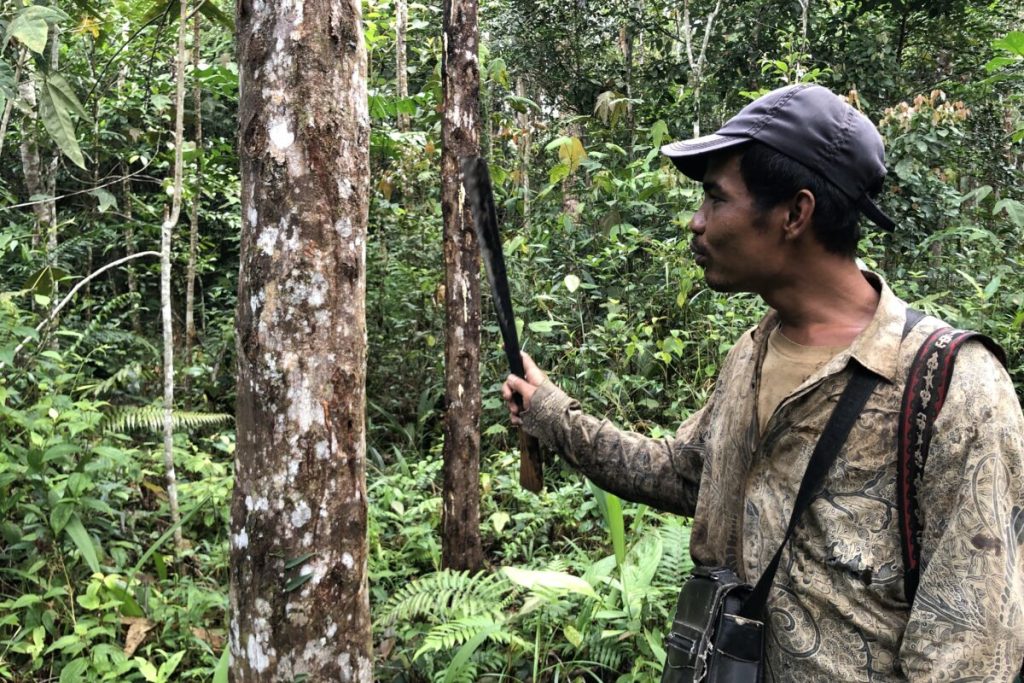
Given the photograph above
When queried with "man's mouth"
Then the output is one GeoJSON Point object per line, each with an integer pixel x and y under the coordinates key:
{"type": "Point", "coordinates": [699, 255]}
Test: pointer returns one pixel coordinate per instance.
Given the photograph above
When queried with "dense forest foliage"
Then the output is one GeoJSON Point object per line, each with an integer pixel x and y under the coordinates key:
{"type": "Point", "coordinates": [576, 98]}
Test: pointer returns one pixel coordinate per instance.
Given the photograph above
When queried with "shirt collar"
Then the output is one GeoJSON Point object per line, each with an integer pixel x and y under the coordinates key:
{"type": "Point", "coordinates": [877, 346]}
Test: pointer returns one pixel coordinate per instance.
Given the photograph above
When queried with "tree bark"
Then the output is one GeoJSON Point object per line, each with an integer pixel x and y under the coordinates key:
{"type": "Point", "coordinates": [299, 594]}
{"type": "Point", "coordinates": [460, 136]}
{"type": "Point", "coordinates": [166, 235]}
{"type": "Point", "coordinates": [193, 218]}
{"type": "Point", "coordinates": [401, 75]}
{"type": "Point", "coordinates": [525, 143]}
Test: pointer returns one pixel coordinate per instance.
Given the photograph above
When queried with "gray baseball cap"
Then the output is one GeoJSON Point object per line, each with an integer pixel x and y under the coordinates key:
{"type": "Point", "coordinates": [807, 123]}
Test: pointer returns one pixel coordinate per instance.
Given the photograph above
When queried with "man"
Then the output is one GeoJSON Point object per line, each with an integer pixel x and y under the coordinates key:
{"type": "Point", "coordinates": [785, 182]}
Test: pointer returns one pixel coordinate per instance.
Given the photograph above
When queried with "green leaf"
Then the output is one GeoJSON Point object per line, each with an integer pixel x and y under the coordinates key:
{"type": "Point", "coordinates": [54, 111]}
{"type": "Point", "coordinates": [24, 601]}
{"type": "Point", "coordinates": [558, 172]}
{"type": "Point", "coordinates": [1014, 42]}
{"type": "Point", "coordinates": [611, 507]}
{"type": "Point", "coordinates": [296, 561]}
{"type": "Point", "coordinates": [168, 667]}
{"type": "Point", "coordinates": [60, 516]}
{"type": "Point", "coordinates": [105, 199]}
{"type": "Point", "coordinates": [220, 673]}
{"type": "Point", "coordinates": [659, 131]}
{"type": "Point", "coordinates": [557, 581]}
{"type": "Point", "coordinates": [214, 13]}
{"type": "Point", "coordinates": [499, 520]}
{"type": "Point", "coordinates": [465, 652]}
{"type": "Point", "coordinates": [147, 670]}
{"type": "Point", "coordinates": [1013, 208]}
{"type": "Point", "coordinates": [521, 104]}
{"type": "Point", "coordinates": [297, 582]}
{"type": "Point", "coordinates": [73, 671]}
{"type": "Point", "coordinates": [76, 531]}
{"type": "Point", "coordinates": [31, 26]}
{"type": "Point", "coordinates": [543, 326]}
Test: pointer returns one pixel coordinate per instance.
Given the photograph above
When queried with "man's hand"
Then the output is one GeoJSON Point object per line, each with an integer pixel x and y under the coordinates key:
{"type": "Point", "coordinates": [524, 387]}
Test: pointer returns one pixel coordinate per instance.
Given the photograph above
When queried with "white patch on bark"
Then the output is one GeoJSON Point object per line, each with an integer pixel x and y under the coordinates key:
{"type": "Point", "coordinates": [464, 282]}
{"type": "Point", "coordinates": [300, 515]}
{"type": "Point", "coordinates": [256, 504]}
{"type": "Point", "coordinates": [293, 468]}
{"type": "Point", "coordinates": [343, 226]}
{"type": "Point", "coordinates": [281, 138]}
{"type": "Point", "coordinates": [267, 240]}
{"type": "Point", "coordinates": [252, 215]}
{"type": "Point", "coordinates": [303, 409]}
{"type": "Point", "coordinates": [331, 630]}
{"type": "Point", "coordinates": [322, 450]}
{"type": "Point", "coordinates": [257, 648]}
{"type": "Point", "coordinates": [240, 540]}
{"type": "Point", "coordinates": [348, 561]}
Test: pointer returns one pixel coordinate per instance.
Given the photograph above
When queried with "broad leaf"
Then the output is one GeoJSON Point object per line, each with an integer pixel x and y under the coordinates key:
{"type": "Point", "coordinates": [1013, 42]}
{"type": "Point", "coordinates": [1013, 208]}
{"type": "Point", "coordinates": [31, 26]}
{"type": "Point", "coordinates": [557, 581]}
{"type": "Point", "coordinates": [76, 531]}
{"type": "Point", "coordinates": [55, 110]}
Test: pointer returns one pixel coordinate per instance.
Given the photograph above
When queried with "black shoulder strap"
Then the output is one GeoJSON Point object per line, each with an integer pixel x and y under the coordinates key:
{"type": "Point", "coordinates": [926, 389]}
{"type": "Point", "coordinates": [831, 441]}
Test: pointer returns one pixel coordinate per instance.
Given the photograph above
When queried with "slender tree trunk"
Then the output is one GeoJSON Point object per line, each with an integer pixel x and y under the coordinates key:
{"type": "Point", "coordinates": [32, 166]}
{"type": "Point", "coordinates": [193, 233]}
{"type": "Point", "coordinates": [401, 75]}
{"type": "Point", "coordinates": [9, 106]}
{"type": "Point", "coordinates": [526, 141]}
{"type": "Point", "coordinates": [697, 61]}
{"type": "Point", "coordinates": [129, 238]}
{"type": "Point", "coordinates": [166, 234]}
{"type": "Point", "coordinates": [299, 593]}
{"type": "Point", "coordinates": [460, 135]}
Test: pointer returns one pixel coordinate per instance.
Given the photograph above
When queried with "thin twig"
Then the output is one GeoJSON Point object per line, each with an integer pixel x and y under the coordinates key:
{"type": "Point", "coordinates": [64, 302]}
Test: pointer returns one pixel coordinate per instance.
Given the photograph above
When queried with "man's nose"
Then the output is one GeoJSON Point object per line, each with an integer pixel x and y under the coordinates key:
{"type": "Point", "coordinates": [698, 222]}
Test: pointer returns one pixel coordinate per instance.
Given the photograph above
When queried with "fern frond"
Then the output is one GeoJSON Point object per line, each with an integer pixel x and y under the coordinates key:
{"type": "Point", "coordinates": [608, 653]}
{"type": "Point", "coordinates": [675, 563]}
{"type": "Point", "coordinates": [446, 596]}
{"type": "Point", "coordinates": [121, 377]}
{"type": "Point", "coordinates": [130, 418]}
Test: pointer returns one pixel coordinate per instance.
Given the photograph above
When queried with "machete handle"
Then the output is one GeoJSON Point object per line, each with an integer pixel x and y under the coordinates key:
{"type": "Point", "coordinates": [531, 464]}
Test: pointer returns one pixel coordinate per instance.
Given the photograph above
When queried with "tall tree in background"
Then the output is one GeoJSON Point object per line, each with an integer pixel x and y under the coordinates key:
{"type": "Point", "coordinates": [171, 216]}
{"type": "Point", "coordinates": [460, 136]}
{"type": "Point", "coordinates": [299, 598]}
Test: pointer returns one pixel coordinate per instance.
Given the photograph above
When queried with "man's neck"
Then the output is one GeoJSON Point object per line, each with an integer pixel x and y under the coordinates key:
{"type": "Point", "coordinates": [827, 305]}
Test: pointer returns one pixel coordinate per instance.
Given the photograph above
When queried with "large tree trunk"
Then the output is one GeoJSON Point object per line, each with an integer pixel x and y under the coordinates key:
{"type": "Point", "coordinates": [460, 135]}
{"type": "Point", "coordinates": [299, 594]}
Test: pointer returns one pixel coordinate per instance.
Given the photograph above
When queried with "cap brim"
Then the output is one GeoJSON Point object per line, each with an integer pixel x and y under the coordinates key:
{"type": "Point", "coordinates": [875, 214]}
{"type": "Point", "coordinates": [691, 156]}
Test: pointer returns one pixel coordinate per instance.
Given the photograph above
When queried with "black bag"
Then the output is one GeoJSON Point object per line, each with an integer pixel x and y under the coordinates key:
{"type": "Point", "coordinates": [717, 635]}
{"type": "Point", "coordinates": [706, 614]}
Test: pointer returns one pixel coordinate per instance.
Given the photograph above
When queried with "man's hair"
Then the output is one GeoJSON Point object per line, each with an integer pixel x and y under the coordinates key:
{"type": "Point", "coordinates": [772, 178]}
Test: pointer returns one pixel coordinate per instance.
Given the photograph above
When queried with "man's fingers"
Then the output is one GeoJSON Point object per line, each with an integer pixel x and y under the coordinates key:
{"type": "Point", "coordinates": [534, 375]}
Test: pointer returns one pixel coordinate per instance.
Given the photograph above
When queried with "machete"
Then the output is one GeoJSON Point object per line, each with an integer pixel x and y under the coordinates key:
{"type": "Point", "coordinates": [477, 182]}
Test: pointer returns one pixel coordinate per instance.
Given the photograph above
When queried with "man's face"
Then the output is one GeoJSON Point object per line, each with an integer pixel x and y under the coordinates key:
{"type": "Point", "coordinates": [733, 240]}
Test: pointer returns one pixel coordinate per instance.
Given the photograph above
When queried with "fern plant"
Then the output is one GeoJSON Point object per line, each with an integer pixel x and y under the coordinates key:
{"type": "Point", "coordinates": [130, 418]}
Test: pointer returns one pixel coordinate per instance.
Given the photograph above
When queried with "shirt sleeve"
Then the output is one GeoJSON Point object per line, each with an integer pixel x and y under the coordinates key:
{"type": "Point", "coordinates": [967, 619]}
{"type": "Point", "coordinates": [664, 473]}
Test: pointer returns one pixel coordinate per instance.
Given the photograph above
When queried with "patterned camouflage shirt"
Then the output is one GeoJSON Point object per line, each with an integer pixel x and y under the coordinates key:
{"type": "Point", "coordinates": [837, 611]}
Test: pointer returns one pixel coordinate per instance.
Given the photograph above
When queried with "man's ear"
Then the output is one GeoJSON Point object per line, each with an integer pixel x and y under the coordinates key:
{"type": "Point", "coordinates": [800, 215]}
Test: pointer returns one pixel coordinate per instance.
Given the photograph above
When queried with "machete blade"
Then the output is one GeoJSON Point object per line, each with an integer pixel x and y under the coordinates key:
{"type": "Point", "coordinates": [476, 180]}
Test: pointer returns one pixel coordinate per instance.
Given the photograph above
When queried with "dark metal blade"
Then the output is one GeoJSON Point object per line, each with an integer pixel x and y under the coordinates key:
{"type": "Point", "coordinates": [477, 182]}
